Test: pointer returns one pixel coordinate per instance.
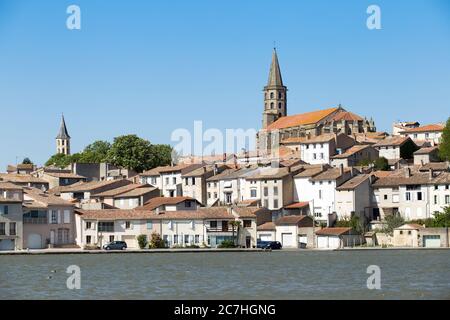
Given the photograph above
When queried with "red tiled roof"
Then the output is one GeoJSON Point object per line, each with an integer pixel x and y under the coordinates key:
{"type": "Point", "coordinates": [268, 226]}
{"type": "Point", "coordinates": [154, 203]}
{"type": "Point", "coordinates": [301, 119]}
{"type": "Point", "coordinates": [297, 205]}
{"type": "Point", "coordinates": [427, 128]}
{"type": "Point", "coordinates": [333, 231]}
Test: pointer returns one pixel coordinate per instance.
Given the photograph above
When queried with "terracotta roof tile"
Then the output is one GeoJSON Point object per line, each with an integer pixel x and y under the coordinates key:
{"type": "Point", "coordinates": [268, 226]}
{"type": "Point", "coordinates": [154, 203]}
{"type": "Point", "coordinates": [301, 119]}
{"type": "Point", "coordinates": [427, 128]}
{"type": "Point", "coordinates": [334, 231]}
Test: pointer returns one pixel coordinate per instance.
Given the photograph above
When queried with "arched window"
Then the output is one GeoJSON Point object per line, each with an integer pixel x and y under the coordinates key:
{"type": "Point", "coordinates": [271, 105]}
{"type": "Point", "coordinates": [280, 95]}
{"type": "Point", "coordinates": [271, 95]}
{"type": "Point", "coordinates": [279, 105]}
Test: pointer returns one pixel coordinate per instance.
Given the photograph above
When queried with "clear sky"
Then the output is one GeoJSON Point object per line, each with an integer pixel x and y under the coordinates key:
{"type": "Point", "coordinates": [149, 67]}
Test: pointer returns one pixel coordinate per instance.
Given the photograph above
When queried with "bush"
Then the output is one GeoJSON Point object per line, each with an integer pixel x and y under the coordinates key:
{"type": "Point", "coordinates": [227, 244]}
{"type": "Point", "coordinates": [156, 242]}
{"type": "Point", "coordinates": [392, 222]}
{"type": "Point", "coordinates": [142, 241]}
{"type": "Point", "coordinates": [91, 247]}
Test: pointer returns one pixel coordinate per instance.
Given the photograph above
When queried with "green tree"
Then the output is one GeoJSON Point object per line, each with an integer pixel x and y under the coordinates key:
{"type": "Point", "coordinates": [381, 164]}
{"type": "Point", "coordinates": [27, 161]}
{"type": "Point", "coordinates": [156, 242]}
{"type": "Point", "coordinates": [442, 219]}
{"type": "Point", "coordinates": [235, 228]}
{"type": "Point", "coordinates": [142, 241]}
{"type": "Point", "coordinates": [161, 155]}
{"type": "Point", "coordinates": [59, 160]}
{"type": "Point", "coordinates": [96, 152]}
{"type": "Point", "coordinates": [131, 152]}
{"type": "Point", "coordinates": [392, 222]}
{"type": "Point", "coordinates": [444, 146]}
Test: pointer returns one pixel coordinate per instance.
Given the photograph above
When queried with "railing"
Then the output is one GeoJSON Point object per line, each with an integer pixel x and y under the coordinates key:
{"type": "Point", "coordinates": [105, 229]}
{"type": "Point", "coordinates": [35, 220]}
{"type": "Point", "coordinates": [220, 229]}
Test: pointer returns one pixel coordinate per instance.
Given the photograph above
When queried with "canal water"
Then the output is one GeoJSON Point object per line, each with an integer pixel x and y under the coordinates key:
{"type": "Point", "coordinates": [405, 274]}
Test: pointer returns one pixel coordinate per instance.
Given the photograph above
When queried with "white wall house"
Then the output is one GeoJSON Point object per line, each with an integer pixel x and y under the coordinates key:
{"type": "Point", "coordinates": [431, 133]}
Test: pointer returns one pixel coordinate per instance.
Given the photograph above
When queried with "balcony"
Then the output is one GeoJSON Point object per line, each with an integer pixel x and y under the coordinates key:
{"type": "Point", "coordinates": [35, 220]}
{"type": "Point", "coordinates": [221, 229]}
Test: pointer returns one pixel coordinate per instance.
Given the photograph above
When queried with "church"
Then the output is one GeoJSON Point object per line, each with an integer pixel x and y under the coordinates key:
{"type": "Point", "coordinates": [277, 125]}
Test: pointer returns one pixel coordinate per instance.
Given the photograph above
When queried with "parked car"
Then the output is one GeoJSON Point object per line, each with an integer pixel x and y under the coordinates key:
{"type": "Point", "coordinates": [274, 245]}
{"type": "Point", "coordinates": [115, 245]}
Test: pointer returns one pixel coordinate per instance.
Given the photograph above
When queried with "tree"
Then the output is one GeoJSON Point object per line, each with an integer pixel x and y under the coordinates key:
{"type": "Point", "coordinates": [96, 152]}
{"type": "Point", "coordinates": [161, 155]}
{"type": "Point", "coordinates": [27, 161]}
{"type": "Point", "coordinates": [444, 146]}
{"type": "Point", "coordinates": [131, 152]}
{"type": "Point", "coordinates": [393, 222]}
{"type": "Point", "coordinates": [381, 164]}
{"type": "Point", "coordinates": [156, 242]}
{"type": "Point", "coordinates": [235, 225]}
{"type": "Point", "coordinates": [442, 219]}
{"type": "Point", "coordinates": [142, 241]}
{"type": "Point", "coordinates": [59, 160]}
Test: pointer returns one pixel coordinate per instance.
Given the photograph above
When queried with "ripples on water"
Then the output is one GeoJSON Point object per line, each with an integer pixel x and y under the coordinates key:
{"type": "Point", "coordinates": [269, 275]}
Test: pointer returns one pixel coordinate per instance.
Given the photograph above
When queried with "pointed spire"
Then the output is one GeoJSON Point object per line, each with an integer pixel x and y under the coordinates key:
{"type": "Point", "coordinates": [275, 79]}
{"type": "Point", "coordinates": [63, 133]}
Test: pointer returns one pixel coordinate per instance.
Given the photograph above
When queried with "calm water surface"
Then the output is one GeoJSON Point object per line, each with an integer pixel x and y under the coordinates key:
{"type": "Point", "coordinates": [270, 275]}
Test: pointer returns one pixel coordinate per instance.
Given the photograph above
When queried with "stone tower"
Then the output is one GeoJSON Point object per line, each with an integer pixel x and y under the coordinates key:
{"type": "Point", "coordinates": [63, 139]}
{"type": "Point", "coordinates": [275, 98]}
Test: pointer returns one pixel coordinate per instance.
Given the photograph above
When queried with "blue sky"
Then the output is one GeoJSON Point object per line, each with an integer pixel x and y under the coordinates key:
{"type": "Point", "coordinates": [149, 67]}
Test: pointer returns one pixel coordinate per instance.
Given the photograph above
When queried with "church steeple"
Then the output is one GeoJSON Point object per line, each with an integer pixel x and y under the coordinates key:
{"type": "Point", "coordinates": [275, 98]}
{"type": "Point", "coordinates": [63, 139]}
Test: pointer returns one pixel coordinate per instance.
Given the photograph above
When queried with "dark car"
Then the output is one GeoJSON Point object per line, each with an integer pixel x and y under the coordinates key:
{"type": "Point", "coordinates": [274, 245]}
{"type": "Point", "coordinates": [115, 245]}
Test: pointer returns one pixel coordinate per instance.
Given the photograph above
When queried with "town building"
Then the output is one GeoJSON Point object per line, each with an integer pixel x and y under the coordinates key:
{"type": "Point", "coordinates": [63, 139]}
{"type": "Point", "coordinates": [396, 147]}
{"type": "Point", "coordinates": [11, 226]}
{"type": "Point", "coordinates": [355, 156]}
{"type": "Point", "coordinates": [431, 133]}
{"type": "Point", "coordinates": [129, 196]}
{"type": "Point", "coordinates": [337, 238]}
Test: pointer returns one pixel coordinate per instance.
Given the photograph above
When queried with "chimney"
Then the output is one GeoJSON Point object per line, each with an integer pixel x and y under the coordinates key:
{"type": "Point", "coordinates": [431, 173]}
{"type": "Point", "coordinates": [204, 169]}
{"type": "Point", "coordinates": [421, 162]}
{"type": "Point", "coordinates": [407, 172]}
{"type": "Point", "coordinates": [289, 169]}
{"type": "Point", "coordinates": [157, 211]}
{"type": "Point", "coordinates": [341, 169]}
{"type": "Point", "coordinates": [322, 167]}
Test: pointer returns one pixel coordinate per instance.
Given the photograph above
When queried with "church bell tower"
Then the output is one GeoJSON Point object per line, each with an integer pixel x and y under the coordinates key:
{"type": "Point", "coordinates": [63, 139]}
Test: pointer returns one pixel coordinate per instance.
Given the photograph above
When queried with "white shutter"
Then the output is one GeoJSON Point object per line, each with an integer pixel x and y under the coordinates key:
{"type": "Point", "coordinates": [49, 216]}
{"type": "Point", "coordinates": [59, 216]}
{"type": "Point", "coordinates": [66, 216]}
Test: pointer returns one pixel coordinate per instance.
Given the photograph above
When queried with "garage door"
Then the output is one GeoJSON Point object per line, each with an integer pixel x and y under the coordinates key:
{"type": "Point", "coordinates": [34, 241]}
{"type": "Point", "coordinates": [322, 242]}
{"type": "Point", "coordinates": [287, 240]}
{"type": "Point", "coordinates": [433, 241]}
{"type": "Point", "coordinates": [131, 241]}
{"type": "Point", "coordinates": [265, 237]}
{"type": "Point", "coordinates": [6, 244]}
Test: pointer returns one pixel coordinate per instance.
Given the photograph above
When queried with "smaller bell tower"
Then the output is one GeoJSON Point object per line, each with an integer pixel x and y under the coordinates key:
{"type": "Point", "coordinates": [63, 139]}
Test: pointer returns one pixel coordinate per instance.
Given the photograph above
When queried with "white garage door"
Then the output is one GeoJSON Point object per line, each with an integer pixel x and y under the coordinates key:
{"type": "Point", "coordinates": [287, 240]}
{"type": "Point", "coordinates": [433, 241]}
{"type": "Point", "coordinates": [334, 242]}
{"type": "Point", "coordinates": [6, 244]}
{"type": "Point", "coordinates": [322, 242]}
{"type": "Point", "coordinates": [265, 237]}
{"type": "Point", "coordinates": [34, 241]}
{"type": "Point", "coordinates": [131, 241]}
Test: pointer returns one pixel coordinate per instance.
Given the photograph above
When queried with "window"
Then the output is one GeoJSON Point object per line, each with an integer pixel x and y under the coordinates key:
{"type": "Point", "coordinates": [266, 203]}
{"type": "Point", "coordinates": [2, 228]}
{"type": "Point", "coordinates": [409, 232]}
{"type": "Point", "coordinates": [213, 224]}
{"type": "Point", "coordinates": [88, 239]}
{"type": "Point", "coordinates": [127, 224]}
{"type": "Point", "coordinates": [186, 181]}
{"type": "Point", "coordinates": [215, 184]}
{"type": "Point", "coordinates": [435, 199]}
{"type": "Point", "coordinates": [320, 194]}
{"type": "Point", "coordinates": [54, 217]}
{"type": "Point", "coordinates": [88, 225]}
{"type": "Point", "coordinates": [419, 196]}
{"type": "Point", "coordinates": [215, 195]}
{"type": "Point", "coordinates": [209, 184]}
{"type": "Point", "coordinates": [4, 210]}
{"type": "Point", "coordinates": [271, 95]}
{"type": "Point", "coordinates": [253, 193]}
{"type": "Point", "coordinates": [314, 156]}
{"type": "Point", "coordinates": [149, 225]}
{"type": "Point", "coordinates": [266, 191]}
{"type": "Point", "coordinates": [186, 239]}
{"type": "Point", "coordinates": [12, 228]}
{"type": "Point", "coordinates": [66, 216]}
{"type": "Point", "coordinates": [197, 238]}
{"type": "Point", "coordinates": [175, 239]}
{"type": "Point", "coordinates": [436, 187]}
{"type": "Point", "coordinates": [104, 226]}
{"type": "Point", "coordinates": [401, 232]}
{"type": "Point", "coordinates": [408, 196]}
{"type": "Point", "coordinates": [275, 203]}
{"type": "Point", "coordinates": [153, 180]}
{"type": "Point", "coordinates": [167, 180]}
{"type": "Point", "coordinates": [193, 181]}
{"type": "Point", "coordinates": [385, 197]}
{"type": "Point", "coordinates": [271, 105]}
{"type": "Point", "coordinates": [209, 195]}
{"type": "Point", "coordinates": [188, 204]}
{"type": "Point", "coordinates": [247, 223]}
{"type": "Point", "coordinates": [280, 95]}
{"type": "Point", "coordinates": [111, 238]}
{"type": "Point", "coordinates": [275, 191]}
{"type": "Point", "coordinates": [447, 199]}
{"type": "Point", "coordinates": [174, 180]}
{"type": "Point", "coordinates": [427, 135]}
{"type": "Point", "coordinates": [446, 187]}
{"type": "Point", "coordinates": [321, 156]}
